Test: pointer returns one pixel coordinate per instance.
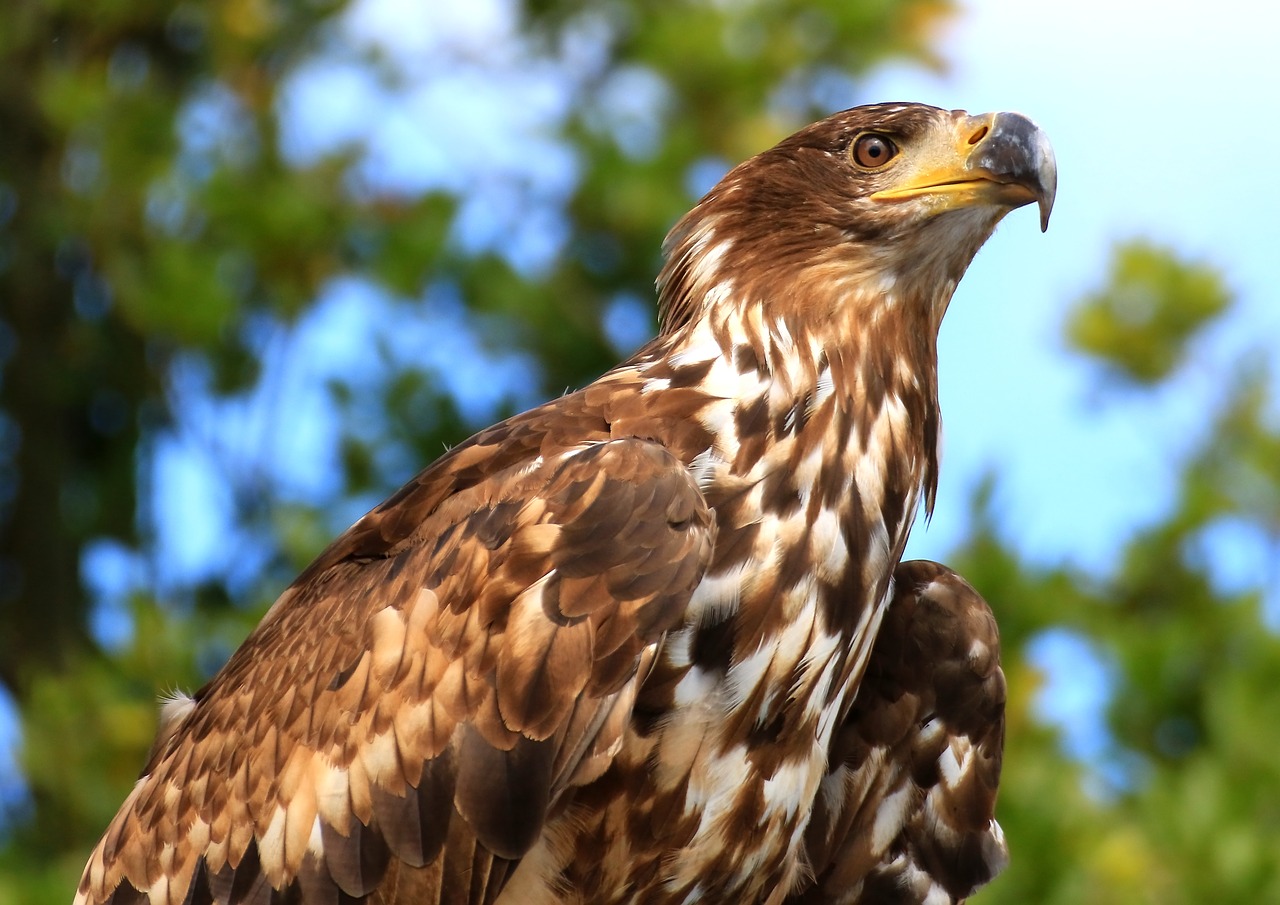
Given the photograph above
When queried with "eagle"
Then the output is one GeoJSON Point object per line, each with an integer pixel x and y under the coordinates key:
{"type": "Point", "coordinates": [652, 641]}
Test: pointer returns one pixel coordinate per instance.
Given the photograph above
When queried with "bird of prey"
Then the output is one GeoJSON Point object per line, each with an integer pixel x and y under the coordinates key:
{"type": "Point", "coordinates": [650, 642]}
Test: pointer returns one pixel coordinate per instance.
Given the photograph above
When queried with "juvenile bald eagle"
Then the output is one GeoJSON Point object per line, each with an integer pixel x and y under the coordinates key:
{"type": "Point", "coordinates": [650, 642]}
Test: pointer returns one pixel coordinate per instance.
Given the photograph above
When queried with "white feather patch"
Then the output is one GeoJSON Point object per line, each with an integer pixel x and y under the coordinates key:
{"type": "Point", "coordinates": [271, 849]}
{"type": "Point", "coordinates": [705, 466]}
{"type": "Point", "coordinates": [707, 263]}
{"type": "Point", "coordinates": [703, 349]}
{"type": "Point", "coordinates": [791, 785]}
{"type": "Point", "coordinates": [889, 817]}
{"type": "Point", "coordinates": [333, 798]}
{"type": "Point", "coordinates": [315, 841]}
{"type": "Point", "coordinates": [716, 597]}
{"type": "Point", "coordinates": [826, 539]}
{"type": "Point", "coordinates": [696, 688]}
{"type": "Point", "coordinates": [748, 673]}
{"type": "Point", "coordinates": [954, 768]}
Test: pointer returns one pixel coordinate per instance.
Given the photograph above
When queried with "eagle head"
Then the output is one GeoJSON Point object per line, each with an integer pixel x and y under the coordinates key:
{"type": "Point", "coordinates": [895, 197]}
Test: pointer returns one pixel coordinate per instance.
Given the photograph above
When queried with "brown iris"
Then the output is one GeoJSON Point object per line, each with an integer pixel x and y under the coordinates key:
{"type": "Point", "coordinates": [871, 150]}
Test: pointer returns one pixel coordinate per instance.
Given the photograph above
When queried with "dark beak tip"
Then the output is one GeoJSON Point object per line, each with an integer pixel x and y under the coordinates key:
{"type": "Point", "coordinates": [1046, 167]}
{"type": "Point", "coordinates": [1018, 149]}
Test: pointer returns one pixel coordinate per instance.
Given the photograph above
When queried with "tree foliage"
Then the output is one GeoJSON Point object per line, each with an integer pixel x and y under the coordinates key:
{"type": "Point", "coordinates": [1182, 803]}
{"type": "Point", "coordinates": [1139, 325]}
{"type": "Point", "coordinates": [175, 242]}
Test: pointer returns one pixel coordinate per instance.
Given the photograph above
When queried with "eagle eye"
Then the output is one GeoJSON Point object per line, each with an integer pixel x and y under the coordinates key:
{"type": "Point", "coordinates": [872, 150]}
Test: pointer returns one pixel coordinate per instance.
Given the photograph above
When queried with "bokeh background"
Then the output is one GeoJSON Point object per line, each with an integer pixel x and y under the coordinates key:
{"type": "Point", "coordinates": [260, 261]}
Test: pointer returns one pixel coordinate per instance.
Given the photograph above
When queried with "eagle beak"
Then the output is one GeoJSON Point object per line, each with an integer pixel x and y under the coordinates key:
{"type": "Point", "coordinates": [996, 158]}
{"type": "Point", "coordinates": [1016, 153]}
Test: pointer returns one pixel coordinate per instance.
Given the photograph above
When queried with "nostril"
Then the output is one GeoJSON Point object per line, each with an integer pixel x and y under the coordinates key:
{"type": "Point", "coordinates": [979, 135]}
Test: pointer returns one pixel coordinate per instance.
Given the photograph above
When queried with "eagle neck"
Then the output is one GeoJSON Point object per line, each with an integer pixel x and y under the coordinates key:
{"type": "Point", "coordinates": [765, 376]}
{"type": "Point", "coordinates": [817, 437]}
{"type": "Point", "coordinates": [818, 440]}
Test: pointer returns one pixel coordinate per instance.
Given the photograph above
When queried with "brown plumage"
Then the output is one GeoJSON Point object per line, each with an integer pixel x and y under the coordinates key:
{"type": "Point", "coordinates": [613, 650]}
{"type": "Point", "coordinates": [906, 810]}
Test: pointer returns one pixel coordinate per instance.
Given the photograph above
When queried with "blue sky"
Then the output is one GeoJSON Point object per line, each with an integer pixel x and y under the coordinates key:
{"type": "Point", "coordinates": [1162, 118]}
{"type": "Point", "coordinates": [1162, 130]}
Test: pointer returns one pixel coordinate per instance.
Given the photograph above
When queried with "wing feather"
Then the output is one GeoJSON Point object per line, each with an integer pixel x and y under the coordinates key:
{"type": "Point", "coordinates": [411, 708]}
{"type": "Point", "coordinates": [907, 811]}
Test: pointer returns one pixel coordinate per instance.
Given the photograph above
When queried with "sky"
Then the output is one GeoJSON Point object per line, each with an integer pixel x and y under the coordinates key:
{"type": "Point", "coordinates": [1163, 124]}
{"type": "Point", "coordinates": [1164, 129]}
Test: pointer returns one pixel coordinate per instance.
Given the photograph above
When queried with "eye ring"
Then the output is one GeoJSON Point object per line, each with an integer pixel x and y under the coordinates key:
{"type": "Point", "coordinates": [871, 150]}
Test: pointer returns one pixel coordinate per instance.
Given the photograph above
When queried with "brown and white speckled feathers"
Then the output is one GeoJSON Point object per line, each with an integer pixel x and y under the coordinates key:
{"type": "Point", "coordinates": [906, 815]}
{"type": "Point", "coordinates": [601, 652]}
{"type": "Point", "coordinates": [447, 692]}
